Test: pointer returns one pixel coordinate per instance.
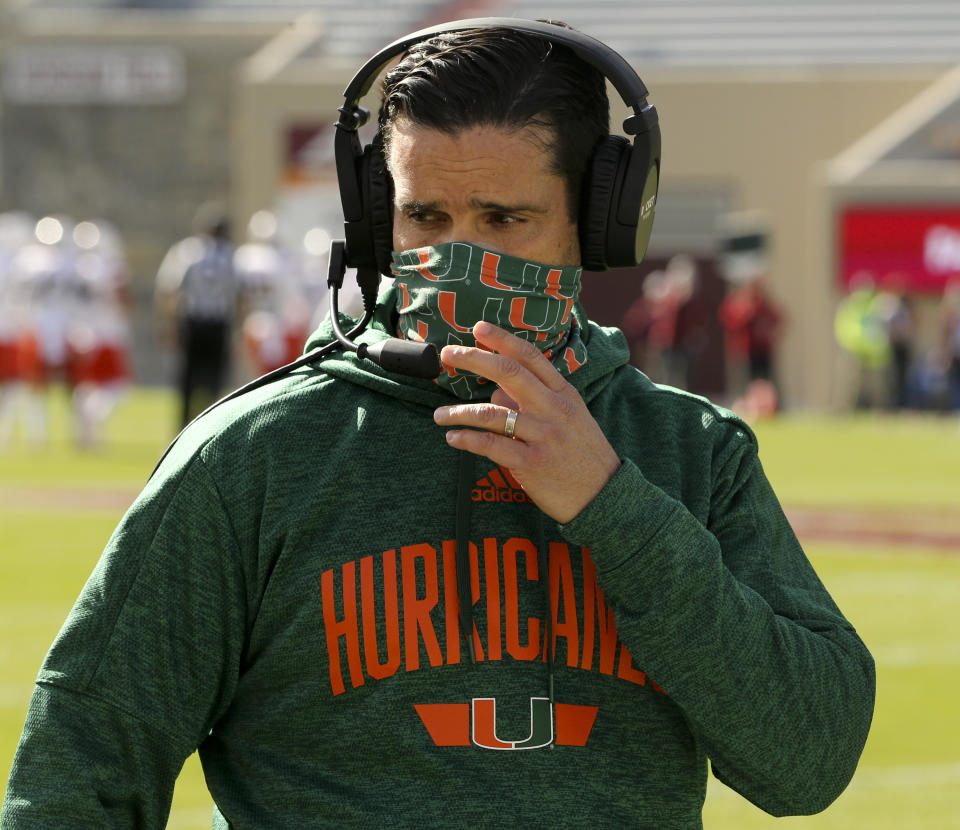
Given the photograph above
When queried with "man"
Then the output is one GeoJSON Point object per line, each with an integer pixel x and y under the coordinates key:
{"type": "Point", "coordinates": [47, 286]}
{"type": "Point", "coordinates": [272, 283]}
{"type": "Point", "coordinates": [196, 297]}
{"type": "Point", "coordinates": [538, 591]}
{"type": "Point", "coordinates": [99, 335]}
{"type": "Point", "coordinates": [16, 232]}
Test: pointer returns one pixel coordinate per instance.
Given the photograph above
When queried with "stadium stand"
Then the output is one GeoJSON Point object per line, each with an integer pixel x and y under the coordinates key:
{"type": "Point", "coordinates": [754, 33]}
{"type": "Point", "coordinates": [669, 33]}
{"type": "Point", "coordinates": [352, 28]}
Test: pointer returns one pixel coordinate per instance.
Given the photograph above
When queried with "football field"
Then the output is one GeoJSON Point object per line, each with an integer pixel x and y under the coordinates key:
{"type": "Point", "coordinates": [875, 499]}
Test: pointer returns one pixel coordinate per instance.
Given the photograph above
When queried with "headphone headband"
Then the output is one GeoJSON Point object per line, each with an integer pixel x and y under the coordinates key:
{"type": "Point", "coordinates": [612, 64]}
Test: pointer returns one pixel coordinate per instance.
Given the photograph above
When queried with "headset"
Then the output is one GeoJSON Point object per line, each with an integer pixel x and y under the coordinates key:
{"type": "Point", "coordinates": [617, 211]}
{"type": "Point", "coordinates": [615, 221]}
{"type": "Point", "coordinates": [619, 191]}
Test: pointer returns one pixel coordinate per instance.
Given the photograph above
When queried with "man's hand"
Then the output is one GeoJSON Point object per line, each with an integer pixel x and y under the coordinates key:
{"type": "Point", "coordinates": [558, 452]}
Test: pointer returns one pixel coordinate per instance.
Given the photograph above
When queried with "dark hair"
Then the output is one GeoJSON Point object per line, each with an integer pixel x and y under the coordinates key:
{"type": "Point", "coordinates": [502, 78]}
{"type": "Point", "coordinates": [210, 219]}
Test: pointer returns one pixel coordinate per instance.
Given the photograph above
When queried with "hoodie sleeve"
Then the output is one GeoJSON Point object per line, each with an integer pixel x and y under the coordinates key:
{"type": "Point", "coordinates": [140, 671]}
{"type": "Point", "coordinates": [729, 618]}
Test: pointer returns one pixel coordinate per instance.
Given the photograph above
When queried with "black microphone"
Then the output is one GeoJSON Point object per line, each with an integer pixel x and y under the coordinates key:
{"type": "Point", "coordinates": [419, 360]}
{"type": "Point", "coordinates": [405, 357]}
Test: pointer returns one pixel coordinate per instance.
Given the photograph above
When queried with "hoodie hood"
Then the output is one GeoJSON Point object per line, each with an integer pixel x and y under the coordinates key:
{"type": "Point", "coordinates": [607, 348]}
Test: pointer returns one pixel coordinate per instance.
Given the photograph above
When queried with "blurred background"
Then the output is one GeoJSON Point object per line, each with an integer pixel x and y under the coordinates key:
{"type": "Point", "coordinates": [804, 269]}
{"type": "Point", "coordinates": [810, 148]}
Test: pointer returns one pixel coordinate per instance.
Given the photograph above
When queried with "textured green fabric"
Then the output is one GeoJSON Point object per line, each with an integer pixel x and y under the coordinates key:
{"type": "Point", "coordinates": [282, 596]}
{"type": "Point", "coordinates": [442, 291]}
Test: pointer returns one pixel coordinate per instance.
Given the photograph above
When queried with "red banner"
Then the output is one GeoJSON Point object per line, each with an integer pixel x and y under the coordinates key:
{"type": "Point", "coordinates": [917, 247]}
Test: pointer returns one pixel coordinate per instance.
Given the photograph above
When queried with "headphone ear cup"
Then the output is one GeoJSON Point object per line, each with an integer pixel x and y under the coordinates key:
{"type": "Point", "coordinates": [606, 170]}
{"type": "Point", "coordinates": [378, 207]}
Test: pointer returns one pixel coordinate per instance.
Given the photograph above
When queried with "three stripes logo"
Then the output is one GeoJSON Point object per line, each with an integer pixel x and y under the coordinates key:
{"type": "Point", "coordinates": [499, 486]}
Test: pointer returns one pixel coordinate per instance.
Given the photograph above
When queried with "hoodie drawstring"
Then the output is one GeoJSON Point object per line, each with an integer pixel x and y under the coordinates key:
{"type": "Point", "coordinates": [544, 555]}
{"type": "Point", "coordinates": [465, 483]}
{"type": "Point", "coordinates": [464, 594]}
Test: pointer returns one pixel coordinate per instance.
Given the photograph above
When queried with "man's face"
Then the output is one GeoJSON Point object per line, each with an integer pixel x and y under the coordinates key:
{"type": "Point", "coordinates": [485, 185]}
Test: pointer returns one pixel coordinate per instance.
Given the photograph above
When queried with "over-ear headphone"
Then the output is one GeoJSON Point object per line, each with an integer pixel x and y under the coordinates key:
{"type": "Point", "coordinates": [620, 188]}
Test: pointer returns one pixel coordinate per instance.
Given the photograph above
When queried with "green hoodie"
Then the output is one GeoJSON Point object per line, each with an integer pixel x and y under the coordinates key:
{"type": "Point", "coordinates": [284, 596]}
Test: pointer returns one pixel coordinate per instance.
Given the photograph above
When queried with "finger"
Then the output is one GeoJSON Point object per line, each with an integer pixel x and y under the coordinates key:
{"type": "Point", "coordinates": [524, 388]}
{"type": "Point", "coordinates": [524, 352]}
{"type": "Point", "coordinates": [517, 366]}
{"type": "Point", "coordinates": [489, 418]}
{"type": "Point", "coordinates": [501, 450]}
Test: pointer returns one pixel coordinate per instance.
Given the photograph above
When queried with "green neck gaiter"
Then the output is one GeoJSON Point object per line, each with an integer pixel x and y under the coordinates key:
{"type": "Point", "coordinates": [442, 291]}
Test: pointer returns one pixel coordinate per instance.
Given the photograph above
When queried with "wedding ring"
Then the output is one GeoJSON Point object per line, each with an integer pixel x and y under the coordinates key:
{"type": "Point", "coordinates": [510, 427]}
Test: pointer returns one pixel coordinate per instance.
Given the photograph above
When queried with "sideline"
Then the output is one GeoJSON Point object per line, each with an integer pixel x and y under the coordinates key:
{"type": "Point", "coordinates": [92, 498]}
{"type": "Point", "coordinates": [928, 527]}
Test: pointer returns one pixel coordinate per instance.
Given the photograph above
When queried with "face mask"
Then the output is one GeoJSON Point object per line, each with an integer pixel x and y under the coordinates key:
{"type": "Point", "coordinates": [442, 291]}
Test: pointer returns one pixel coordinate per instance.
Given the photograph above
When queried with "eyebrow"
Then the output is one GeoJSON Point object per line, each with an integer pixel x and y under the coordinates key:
{"type": "Point", "coordinates": [499, 207]}
{"type": "Point", "coordinates": [416, 204]}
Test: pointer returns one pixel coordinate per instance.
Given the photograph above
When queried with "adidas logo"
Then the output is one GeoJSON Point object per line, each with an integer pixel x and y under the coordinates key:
{"type": "Point", "coordinates": [498, 485]}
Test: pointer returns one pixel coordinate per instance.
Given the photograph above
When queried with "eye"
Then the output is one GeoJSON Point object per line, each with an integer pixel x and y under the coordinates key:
{"type": "Point", "coordinates": [423, 216]}
{"type": "Point", "coordinates": [504, 219]}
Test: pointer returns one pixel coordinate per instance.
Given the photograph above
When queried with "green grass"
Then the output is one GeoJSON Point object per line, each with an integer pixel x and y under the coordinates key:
{"type": "Point", "coordinates": [903, 600]}
{"type": "Point", "coordinates": [903, 603]}
{"type": "Point", "coordinates": [143, 424]}
{"type": "Point", "coordinates": [870, 460]}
